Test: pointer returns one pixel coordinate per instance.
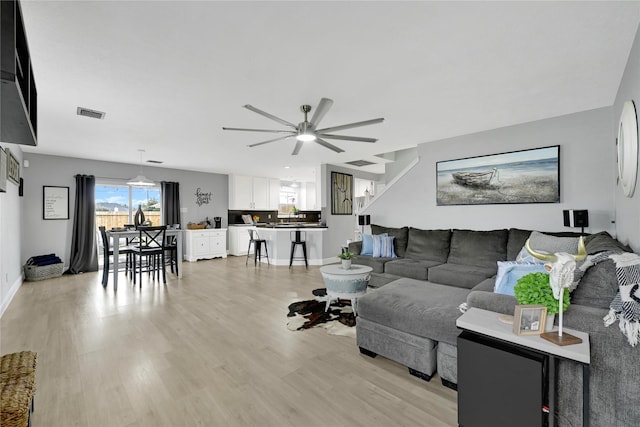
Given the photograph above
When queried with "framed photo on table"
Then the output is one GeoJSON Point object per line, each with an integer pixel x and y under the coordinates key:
{"type": "Point", "coordinates": [529, 319]}
{"type": "Point", "coordinates": [55, 202]}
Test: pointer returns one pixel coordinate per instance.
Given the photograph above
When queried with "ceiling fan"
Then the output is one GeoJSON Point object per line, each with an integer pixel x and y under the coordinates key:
{"type": "Point", "coordinates": [307, 131]}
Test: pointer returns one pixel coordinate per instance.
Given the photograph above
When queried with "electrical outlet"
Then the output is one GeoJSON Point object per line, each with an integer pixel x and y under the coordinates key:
{"type": "Point", "coordinates": [269, 216]}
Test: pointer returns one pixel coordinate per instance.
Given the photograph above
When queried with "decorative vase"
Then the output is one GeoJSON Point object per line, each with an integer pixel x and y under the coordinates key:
{"type": "Point", "coordinates": [138, 219]}
{"type": "Point", "coordinates": [548, 325]}
{"type": "Point", "coordinates": [346, 264]}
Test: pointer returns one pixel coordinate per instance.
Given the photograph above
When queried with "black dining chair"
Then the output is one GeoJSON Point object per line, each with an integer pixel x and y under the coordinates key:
{"type": "Point", "coordinates": [107, 253]}
{"type": "Point", "coordinates": [150, 248]}
{"type": "Point", "coordinates": [171, 247]}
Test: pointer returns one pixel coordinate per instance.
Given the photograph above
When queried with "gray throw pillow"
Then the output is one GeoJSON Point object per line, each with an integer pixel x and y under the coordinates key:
{"type": "Point", "coordinates": [603, 241]}
{"type": "Point", "coordinates": [478, 248]}
{"type": "Point", "coordinates": [428, 245]}
{"type": "Point", "coordinates": [550, 244]}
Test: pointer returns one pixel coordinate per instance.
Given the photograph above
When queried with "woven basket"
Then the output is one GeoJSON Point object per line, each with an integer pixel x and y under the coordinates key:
{"type": "Point", "coordinates": [36, 272]}
{"type": "Point", "coordinates": [17, 388]}
{"type": "Point", "coordinates": [196, 226]}
{"type": "Point", "coordinates": [19, 368]}
{"type": "Point", "coordinates": [15, 405]}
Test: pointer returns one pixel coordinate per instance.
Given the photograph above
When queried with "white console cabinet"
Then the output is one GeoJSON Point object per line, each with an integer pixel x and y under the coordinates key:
{"type": "Point", "coordinates": [205, 244]}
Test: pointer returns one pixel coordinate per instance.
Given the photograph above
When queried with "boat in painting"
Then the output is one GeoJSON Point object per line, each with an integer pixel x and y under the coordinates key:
{"type": "Point", "coordinates": [475, 179]}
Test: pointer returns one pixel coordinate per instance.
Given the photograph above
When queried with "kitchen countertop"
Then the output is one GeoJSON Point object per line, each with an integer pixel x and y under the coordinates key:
{"type": "Point", "coordinates": [281, 225]}
{"type": "Point", "coordinates": [291, 225]}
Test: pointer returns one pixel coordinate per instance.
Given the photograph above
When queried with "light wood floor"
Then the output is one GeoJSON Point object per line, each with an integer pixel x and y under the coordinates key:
{"type": "Point", "coordinates": [211, 349]}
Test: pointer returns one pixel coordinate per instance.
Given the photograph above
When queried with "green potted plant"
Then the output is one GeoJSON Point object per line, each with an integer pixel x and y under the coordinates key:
{"type": "Point", "coordinates": [534, 288]}
{"type": "Point", "coordinates": [345, 256]}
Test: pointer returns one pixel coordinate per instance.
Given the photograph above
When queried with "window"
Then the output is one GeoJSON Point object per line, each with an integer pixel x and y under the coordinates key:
{"type": "Point", "coordinates": [288, 198]}
{"type": "Point", "coordinates": [116, 204]}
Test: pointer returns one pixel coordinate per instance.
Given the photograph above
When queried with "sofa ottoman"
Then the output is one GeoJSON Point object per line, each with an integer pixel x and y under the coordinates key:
{"type": "Point", "coordinates": [404, 320]}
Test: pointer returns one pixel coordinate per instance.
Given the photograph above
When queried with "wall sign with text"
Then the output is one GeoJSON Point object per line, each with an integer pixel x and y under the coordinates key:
{"type": "Point", "coordinates": [55, 202]}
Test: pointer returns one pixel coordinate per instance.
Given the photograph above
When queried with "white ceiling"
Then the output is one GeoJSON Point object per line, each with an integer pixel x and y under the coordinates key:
{"type": "Point", "coordinates": [169, 75]}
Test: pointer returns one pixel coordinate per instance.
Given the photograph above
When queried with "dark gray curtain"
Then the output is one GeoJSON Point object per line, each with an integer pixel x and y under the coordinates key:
{"type": "Point", "coordinates": [84, 253]}
{"type": "Point", "coordinates": [170, 202]}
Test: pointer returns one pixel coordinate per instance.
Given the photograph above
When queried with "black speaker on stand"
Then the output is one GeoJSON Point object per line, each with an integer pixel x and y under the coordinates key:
{"type": "Point", "coordinates": [576, 218]}
{"type": "Point", "coordinates": [364, 220]}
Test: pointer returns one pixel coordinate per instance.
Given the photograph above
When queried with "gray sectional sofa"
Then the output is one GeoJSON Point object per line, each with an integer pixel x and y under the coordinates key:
{"type": "Point", "coordinates": [409, 314]}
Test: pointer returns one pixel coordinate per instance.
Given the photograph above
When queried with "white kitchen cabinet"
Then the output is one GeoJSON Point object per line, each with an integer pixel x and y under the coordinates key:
{"type": "Point", "coordinates": [260, 193]}
{"type": "Point", "coordinates": [205, 244]}
{"type": "Point", "coordinates": [252, 192]}
{"type": "Point", "coordinates": [274, 194]}
{"type": "Point", "coordinates": [239, 239]}
{"type": "Point", "coordinates": [240, 192]}
{"type": "Point", "coordinates": [308, 196]}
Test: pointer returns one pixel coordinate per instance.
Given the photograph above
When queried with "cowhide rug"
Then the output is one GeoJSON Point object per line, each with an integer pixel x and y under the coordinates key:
{"type": "Point", "coordinates": [338, 320]}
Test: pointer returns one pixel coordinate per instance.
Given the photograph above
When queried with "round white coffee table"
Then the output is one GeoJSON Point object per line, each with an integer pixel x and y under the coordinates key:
{"type": "Point", "coordinates": [346, 284]}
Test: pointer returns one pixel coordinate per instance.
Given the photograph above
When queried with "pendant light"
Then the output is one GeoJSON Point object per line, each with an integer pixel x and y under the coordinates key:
{"type": "Point", "coordinates": [141, 180]}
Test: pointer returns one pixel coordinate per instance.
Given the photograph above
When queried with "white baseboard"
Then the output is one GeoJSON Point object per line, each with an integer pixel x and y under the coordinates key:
{"type": "Point", "coordinates": [12, 292]}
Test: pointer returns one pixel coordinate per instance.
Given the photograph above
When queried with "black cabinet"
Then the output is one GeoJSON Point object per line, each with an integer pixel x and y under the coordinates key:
{"type": "Point", "coordinates": [499, 385]}
{"type": "Point", "coordinates": [19, 98]}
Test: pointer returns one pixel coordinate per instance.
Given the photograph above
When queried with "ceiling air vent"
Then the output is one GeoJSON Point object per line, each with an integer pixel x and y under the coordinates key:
{"type": "Point", "coordinates": [360, 163]}
{"type": "Point", "coordinates": [157, 162]}
{"type": "Point", "coordinates": [94, 114]}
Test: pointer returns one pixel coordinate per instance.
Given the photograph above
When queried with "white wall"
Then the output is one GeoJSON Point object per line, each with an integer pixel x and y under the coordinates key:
{"type": "Point", "coordinates": [49, 236]}
{"type": "Point", "coordinates": [586, 177]}
{"type": "Point", "coordinates": [401, 159]}
{"type": "Point", "coordinates": [11, 225]}
{"type": "Point", "coordinates": [628, 209]}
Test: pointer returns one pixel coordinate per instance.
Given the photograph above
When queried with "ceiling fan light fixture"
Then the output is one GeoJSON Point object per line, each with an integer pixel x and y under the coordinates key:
{"type": "Point", "coordinates": [305, 132]}
{"type": "Point", "coordinates": [306, 137]}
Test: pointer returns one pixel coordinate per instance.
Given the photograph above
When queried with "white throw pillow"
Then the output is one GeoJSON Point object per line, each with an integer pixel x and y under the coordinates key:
{"type": "Point", "coordinates": [383, 247]}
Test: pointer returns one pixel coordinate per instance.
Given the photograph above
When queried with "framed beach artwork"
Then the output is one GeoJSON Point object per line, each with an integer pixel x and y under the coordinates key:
{"type": "Point", "coordinates": [527, 176]}
{"type": "Point", "coordinates": [341, 193]}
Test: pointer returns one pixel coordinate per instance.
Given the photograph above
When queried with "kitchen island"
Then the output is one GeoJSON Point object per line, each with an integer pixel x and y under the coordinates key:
{"type": "Point", "coordinates": [279, 236]}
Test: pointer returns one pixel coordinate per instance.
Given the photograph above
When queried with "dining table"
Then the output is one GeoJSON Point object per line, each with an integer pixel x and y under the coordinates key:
{"type": "Point", "coordinates": [115, 236]}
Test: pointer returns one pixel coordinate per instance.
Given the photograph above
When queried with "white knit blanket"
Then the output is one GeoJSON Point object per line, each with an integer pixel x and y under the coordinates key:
{"type": "Point", "coordinates": [625, 307]}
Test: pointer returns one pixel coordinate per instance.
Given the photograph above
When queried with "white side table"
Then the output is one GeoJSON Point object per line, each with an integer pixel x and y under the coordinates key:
{"type": "Point", "coordinates": [346, 284]}
{"type": "Point", "coordinates": [486, 323]}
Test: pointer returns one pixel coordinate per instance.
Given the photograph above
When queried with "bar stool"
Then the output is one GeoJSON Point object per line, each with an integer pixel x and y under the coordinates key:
{"type": "Point", "coordinates": [257, 242]}
{"type": "Point", "coordinates": [298, 238]}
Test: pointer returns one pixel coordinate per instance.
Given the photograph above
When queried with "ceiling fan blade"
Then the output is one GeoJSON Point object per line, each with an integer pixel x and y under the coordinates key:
{"type": "Point", "coordinates": [271, 140]}
{"type": "Point", "coordinates": [297, 148]}
{"type": "Point", "coordinates": [347, 138]}
{"type": "Point", "coordinates": [350, 125]}
{"type": "Point", "coordinates": [323, 106]}
{"type": "Point", "coordinates": [260, 130]}
{"type": "Point", "coordinates": [329, 146]}
{"type": "Point", "coordinates": [269, 116]}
